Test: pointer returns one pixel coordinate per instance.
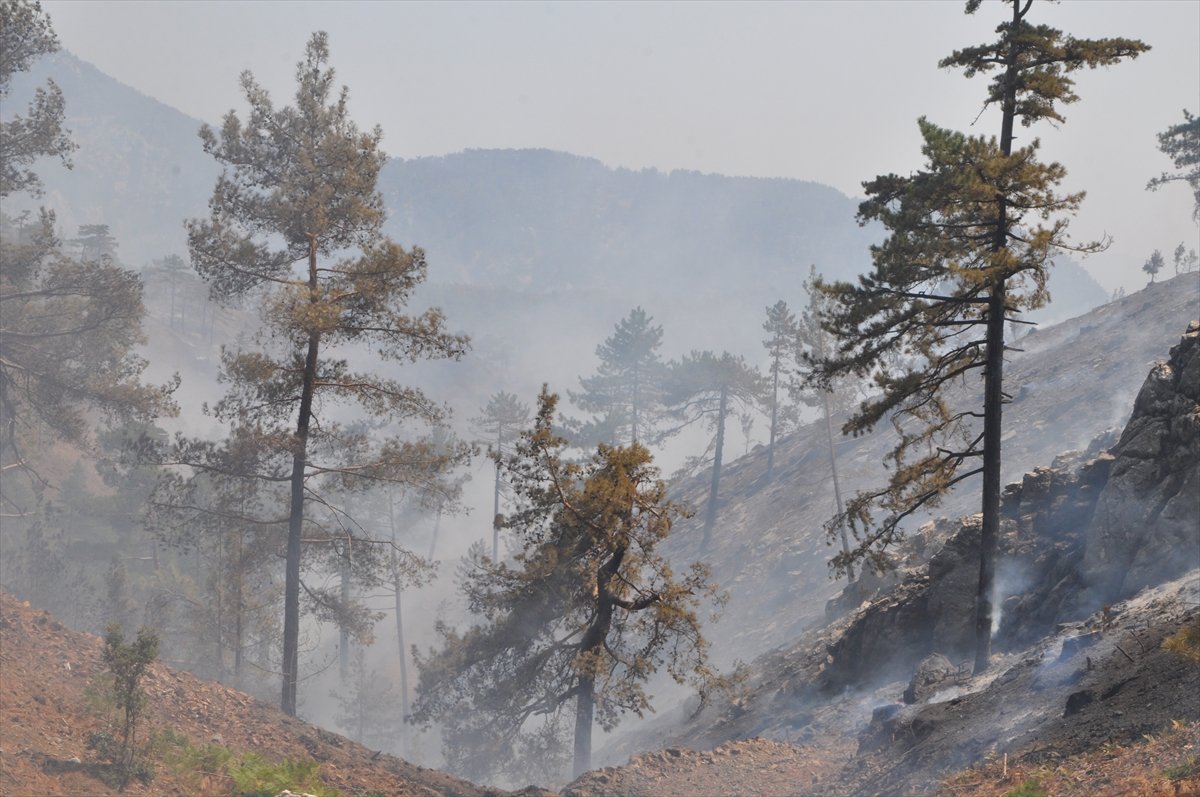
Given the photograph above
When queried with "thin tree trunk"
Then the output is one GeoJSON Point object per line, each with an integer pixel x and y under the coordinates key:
{"type": "Point", "coordinates": [633, 432]}
{"type": "Point", "coordinates": [437, 522]}
{"type": "Point", "coordinates": [496, 497]}
{"type": "Point", "coordinates": [710, 517]}
{"type": "Point", "coordinates": [343, 629]}
{"type": "Point", "coordinates": [774, 417]}
{"type": "Point", "coordinates": [291, 586]}
{"type": "Point", "coordinates": [396, 590]}
{"type": "Point", "coordinates": [837, 488]}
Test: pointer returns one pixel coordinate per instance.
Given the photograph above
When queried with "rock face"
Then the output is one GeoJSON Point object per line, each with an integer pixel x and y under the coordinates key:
{"type": "Point", "coordinates": [1149, 511]}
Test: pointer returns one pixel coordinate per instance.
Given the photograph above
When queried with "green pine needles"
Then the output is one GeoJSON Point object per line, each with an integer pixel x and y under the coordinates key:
{"type": "Point", "coordinates": [971, 237]}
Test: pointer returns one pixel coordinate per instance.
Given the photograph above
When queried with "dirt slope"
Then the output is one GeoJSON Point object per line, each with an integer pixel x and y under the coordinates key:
{"type": "Point", "coordinates": [47, 716]}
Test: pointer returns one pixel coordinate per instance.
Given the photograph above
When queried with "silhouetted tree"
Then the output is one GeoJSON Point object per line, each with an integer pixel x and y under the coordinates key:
{"type": "Point", "coordinates": [499, 423]}
{"type": "Point", "coordinates": [970, 241]}
{"type": "Point", "coordinates": [780, 326]}
{"type": "Point", "coordinates": [1153, 264]}
{"type": "Point", "coordinates": [1185, 259]}
{"type": "Point", "coordinates": [296, 217]}
{"type": "Point", "coordinates": [626, 392]}
{"type": "Point", "coordinates": [812, 344]}
{"type": "Point", "coordinates": [704, 388]}
{"type": "Point", "coordinates": [1181, 143]}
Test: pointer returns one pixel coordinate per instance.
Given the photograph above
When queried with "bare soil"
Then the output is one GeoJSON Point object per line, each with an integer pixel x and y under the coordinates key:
{"type": "Point", "coordinates": [48, 711]}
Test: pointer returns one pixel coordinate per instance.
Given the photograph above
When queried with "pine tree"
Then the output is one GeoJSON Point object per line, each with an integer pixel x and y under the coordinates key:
{"type": "Point", "coordinates": [705, 388]}
{"type": "Point", "coordinates": [587, 611]}
{"type": "Point", "coordinates": [971, 235]}
{"type": "Point", "coordinates": [1185, 259]}
{"type": "Point", "coordinates": [296, 219]}
{"type": "Point", "coordinates": [1153, 264]}
{"type": "Point", "coordinates": [25, 36]}
{"type": "Point", "coordinates": [499, 423]}
{"type": "Point", "coordinates": [780, 326]}
{"type": "Point", "coordinates": [626, 392]}
{"type": "Point", "coordinates": [1181, 143]}
{"type": "Point", "coordinates": [68, 329]}
{"type": "Point", "coordinates": [811, 344]}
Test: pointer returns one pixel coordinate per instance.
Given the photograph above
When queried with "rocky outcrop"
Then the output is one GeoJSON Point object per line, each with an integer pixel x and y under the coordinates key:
{"type": "Point", "coordinates": [1146, 527]}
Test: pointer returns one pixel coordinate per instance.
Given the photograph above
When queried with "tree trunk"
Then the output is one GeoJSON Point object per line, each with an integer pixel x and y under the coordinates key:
{"type": "Point", "coordinates": [993, 389]}
{"type": "Point", "coordinates": [396, 589]}
{"type": "Point", "coordinates": [343, 629]}
{"type": "Point", "coordinates": [774, 417]}
{"type": "Point", "coordinates": [636, 398]}
{"type": "Point", "coordinates": [437, 521]}
{"type": "Point", "coordinates": [291, 583]}
{"type": "Point", "coordinates": [710, 516]}
{"type": "Point", "coordinates": [496, 498]}
{"type": "Point", "coordinates": [585, 706]}
{"type": "Point", "coordinates": [837, 488]}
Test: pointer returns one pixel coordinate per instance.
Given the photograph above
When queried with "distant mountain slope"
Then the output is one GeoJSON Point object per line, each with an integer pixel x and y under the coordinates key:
{"type": "Point", "coordinates": [139, 168]}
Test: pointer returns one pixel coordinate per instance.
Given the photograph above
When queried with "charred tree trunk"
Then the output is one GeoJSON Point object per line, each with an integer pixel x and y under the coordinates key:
{"type": "Point", "coordinates": [291, 586]}
{"type": "Point", "coordinates": [993, 389]}
{"type": "Point", "coordinates": [837, 487]}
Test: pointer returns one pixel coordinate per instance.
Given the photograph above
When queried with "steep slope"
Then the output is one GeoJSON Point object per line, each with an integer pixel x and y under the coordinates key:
{"type": "Point", "coordinates": [1072, 382]}
{"type": "Point", "coordinates": [48, 711]}
{"type": "Point", "coordinates": [1082, 661]}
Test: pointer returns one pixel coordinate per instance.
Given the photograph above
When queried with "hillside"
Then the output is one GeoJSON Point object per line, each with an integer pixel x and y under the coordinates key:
{"type": "Point", "coordinates": [1071, 383]}
{"type": "Point", "coordinates": [1088, 647]}
{"type": "Point", "coordinates": [50, 707]}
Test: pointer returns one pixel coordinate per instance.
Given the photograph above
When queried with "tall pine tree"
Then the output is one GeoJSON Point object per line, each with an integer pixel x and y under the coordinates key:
{"type": "Point", "coordinates": [296, 219]}
{"type": "Point", "coordinates": [971, 237]}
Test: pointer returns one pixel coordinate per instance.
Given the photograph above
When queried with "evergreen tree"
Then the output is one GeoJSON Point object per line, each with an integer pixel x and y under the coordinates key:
{"type": "Point", "coordinates": [971, 236]}
{"type": "Point", "coordinates": [25, 36]}
{"type": "Point", "coordinates": [625, 393]}
{"type": "Point", "coordinates": [68, 329]}
{"type": "Point", "coordinates": [1181, 143]}
{"type": "Point", "coordinates": [296, 217]}
{"type": "Point", "coordinates": [780, 326]}
{"type": "Point", "coordinates": [585, 614]}
{"type": "Point", "coordinates": [499, 423]}
{"type": "Point", "coordinates": [1153, 264]}
{"type": "Point", "coordinates": [811, 345]}
{"type": "Point", "coordinates": [1185, 259]}
{"type": "Point", "coordinates": [705, 388]}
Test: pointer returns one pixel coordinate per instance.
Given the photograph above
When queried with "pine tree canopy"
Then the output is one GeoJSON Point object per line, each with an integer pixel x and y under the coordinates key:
{"type": "Point", "coordinates": [970, 240]}
{"type": "Point", "coordinates": [587, 610]}
{"type": "Point", "coordinates": [1181, 143]}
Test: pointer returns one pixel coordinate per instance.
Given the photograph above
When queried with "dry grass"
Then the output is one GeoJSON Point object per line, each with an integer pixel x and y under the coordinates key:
{"type": "Point", "coordinates": [1167, 764]}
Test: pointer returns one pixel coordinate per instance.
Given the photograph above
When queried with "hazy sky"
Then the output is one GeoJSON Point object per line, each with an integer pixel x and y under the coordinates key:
{"type": "Point", "coordinates": [823, 91]}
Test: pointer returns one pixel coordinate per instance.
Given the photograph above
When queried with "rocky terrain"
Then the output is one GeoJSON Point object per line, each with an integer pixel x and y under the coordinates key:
{"type": "Point", "coordinates": [1100, 565]}
{"type": "Point", "coordinates": [769, 550]}
{"type": "Point", "coordinates": [1081, 662]}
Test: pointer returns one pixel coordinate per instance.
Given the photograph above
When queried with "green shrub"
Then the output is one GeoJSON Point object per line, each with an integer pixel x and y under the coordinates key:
{"type": "Point", "coordinates": [1188, 768]}
{"type": "Point", "coordinates": [254, 776]}
{"type": "Point", "coordinates": [122, 691]}
{"type": "Point", "coordinates": [1030, 788]}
